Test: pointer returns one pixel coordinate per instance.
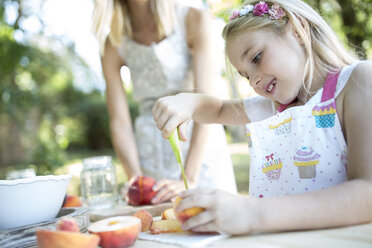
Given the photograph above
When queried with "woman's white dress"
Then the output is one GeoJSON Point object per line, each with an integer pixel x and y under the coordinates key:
{"type": "Point", "coordinates": [162, 69]}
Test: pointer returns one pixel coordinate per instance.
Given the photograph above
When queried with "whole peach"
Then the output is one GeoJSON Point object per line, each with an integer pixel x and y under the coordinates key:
{"type": "Point", "coordinates": [145, 217]}
{"type": "Point", "coordinates": [140, 190]}
{"type": "Point", "coordinates": [68, 224]}
{"type": "Point", "coordinates": [71, 201]}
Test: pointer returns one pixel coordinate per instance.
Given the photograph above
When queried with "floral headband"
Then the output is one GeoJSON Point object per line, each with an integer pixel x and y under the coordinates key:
{"type": "Point", "coordinates": [260, 9]}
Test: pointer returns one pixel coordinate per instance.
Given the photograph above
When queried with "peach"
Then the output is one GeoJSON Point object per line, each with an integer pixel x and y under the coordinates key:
{"type": "Point", "coordinates": [71, 201]}
{"type": "Point", "coordinates": [146, 219]}
{"type": "Point", "coordinates": [187, 213]}
{"type": "Point", "coordinates": [117, 232]}
{"type": "Point", "coordinates": [68, 224]}
{"type": "Point", "coordinates": [168, 214]}
{"type": "Point", "coordinates": [165, 226]}
{"type": "Point", "coordinates": [64, 239]}
{"type": "Point", "coordinates": [140, 190]}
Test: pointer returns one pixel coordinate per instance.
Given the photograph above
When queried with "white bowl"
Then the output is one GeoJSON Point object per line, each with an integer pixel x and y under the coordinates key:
{"type": "Point", "coordinates": [31, 200]}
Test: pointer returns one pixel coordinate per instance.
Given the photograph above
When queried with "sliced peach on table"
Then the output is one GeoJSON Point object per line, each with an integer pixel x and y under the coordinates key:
{"type": "Point", "coordinates": [165, 226]}
{"type": "Point", "coordinates": [187, 213]}
{"type": "Point", "coordinates": [117, 232]}
{"type": "Point", "coordinates": [65, 239]}
{"type": "Point", "coordinates": [168, 214]}
{"type": "Point", "coordinates": [146, 219]}
{"type": "Point", "coordinates": [140, 190]}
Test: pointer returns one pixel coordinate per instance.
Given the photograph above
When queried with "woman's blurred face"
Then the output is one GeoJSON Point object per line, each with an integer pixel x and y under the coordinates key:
{"type": "Point", "coordinates": [273, 64]}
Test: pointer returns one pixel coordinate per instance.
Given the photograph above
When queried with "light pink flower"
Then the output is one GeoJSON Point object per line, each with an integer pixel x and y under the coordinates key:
{"type": "Point", "coordinates": [260, 9]}
{"type": "Point", "coordinates": [234, 15]}
{"type": "Point", "coordinates": [276, 12]}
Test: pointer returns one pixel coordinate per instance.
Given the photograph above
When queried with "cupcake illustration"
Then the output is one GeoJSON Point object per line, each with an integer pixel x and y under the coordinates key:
{"type": "Point", "coordinates": [272, 167]}
{"type": "Point", "coordinates": [306, 160]}
{"type": "Point", "coordinates": [325, 115]}
{"type": "Point", "coordinates": [281, 124]}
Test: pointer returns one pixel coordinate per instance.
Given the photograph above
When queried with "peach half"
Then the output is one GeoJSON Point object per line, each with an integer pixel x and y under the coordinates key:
{"type": "Point", "coordinates": [145, 217]}
{"type": "Point", "coordinates": [187, 213]}
{"type": "Point", "coordinates": [165, 226]}
{"type": "Point", "coordinates": [64, 239]}
{"type": "Point", "coordinates": [140, 190]}
{"type": "Point", "coordinates": [168, 214]}
{"type": "Point", "coordinates": [117, 232]}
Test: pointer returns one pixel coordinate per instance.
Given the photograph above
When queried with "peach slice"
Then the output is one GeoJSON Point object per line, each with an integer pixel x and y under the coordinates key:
{"type": "Point", "coordinates": [146, 219]}
{"type": "Point", "coordinates": [117, 232]}
{"type": "Point", "coordinates": [165, 226]}
{"type": "Point", "coordinates": [187, 213]}
{"type": "Point", "coordinates": [71, 201]}
{"type": "Point", "coordinates": [68, 224]}
{"type": "Point", "coordinates": [140, 190]}
{"type": "Point", "coordinates": [168, 214]}
{"type": "Point", "coordinates": [64, 239]}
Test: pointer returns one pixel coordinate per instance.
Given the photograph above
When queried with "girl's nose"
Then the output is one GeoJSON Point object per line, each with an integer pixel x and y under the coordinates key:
{"type": "Point", "coordinates": [255, 81]}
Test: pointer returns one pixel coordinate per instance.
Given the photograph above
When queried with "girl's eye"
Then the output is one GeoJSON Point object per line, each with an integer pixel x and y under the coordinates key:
{"type": "Point", "coordinates": [257, 58]}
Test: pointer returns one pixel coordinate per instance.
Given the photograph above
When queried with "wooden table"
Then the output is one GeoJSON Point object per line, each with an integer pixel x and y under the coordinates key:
{"type": "Point", "coordinates": [359, 236]}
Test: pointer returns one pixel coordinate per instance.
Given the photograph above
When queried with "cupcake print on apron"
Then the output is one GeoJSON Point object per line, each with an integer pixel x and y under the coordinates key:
{"type": "Point", "coordinates": [306, 160]}
{"type": "Point", "coordinates": [281, 124]}
{"type": "Point", "coordinates": [325, 115]}
{"type": "Point", "coordinates": [272, 167]}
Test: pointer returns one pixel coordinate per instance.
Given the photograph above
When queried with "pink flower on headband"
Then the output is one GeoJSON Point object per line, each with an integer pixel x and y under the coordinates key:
{"type": "Point", "coordinates": [234, 14]}
{"type": "Point", "coordinates": [276, 12]}
{"type": "Point", "coordinates": [260, 9]}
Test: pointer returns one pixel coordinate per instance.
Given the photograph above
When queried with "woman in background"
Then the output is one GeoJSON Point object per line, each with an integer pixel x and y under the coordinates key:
{"type": "Point", "coordinates": [167, 48]}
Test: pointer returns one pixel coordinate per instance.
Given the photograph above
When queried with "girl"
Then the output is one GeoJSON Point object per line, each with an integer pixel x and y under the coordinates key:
{"type": "Point", "coordinates": [309, 132]}
{"type": "Point", "coordinates": [166, 47]}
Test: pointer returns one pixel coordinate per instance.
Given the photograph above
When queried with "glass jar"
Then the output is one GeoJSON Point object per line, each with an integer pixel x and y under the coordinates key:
{"type": "Point", "coordinates": [98, 183]}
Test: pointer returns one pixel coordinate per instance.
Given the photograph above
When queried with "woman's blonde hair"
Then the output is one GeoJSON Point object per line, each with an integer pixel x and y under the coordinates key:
{"type": "Point", "coordinates": [323, 49]}
{"type": "Point", "coordinates": [111, 19]}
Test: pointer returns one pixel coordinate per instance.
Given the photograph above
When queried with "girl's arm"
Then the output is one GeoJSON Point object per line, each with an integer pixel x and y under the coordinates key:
{"type": "Point", "coordinates": [345, 204]}
{"type": "Point", "coordinates": [120, 121]}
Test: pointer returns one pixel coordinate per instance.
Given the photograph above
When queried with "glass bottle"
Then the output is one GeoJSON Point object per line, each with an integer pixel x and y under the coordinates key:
{"type": "Point", "coordinates": [98, 183]}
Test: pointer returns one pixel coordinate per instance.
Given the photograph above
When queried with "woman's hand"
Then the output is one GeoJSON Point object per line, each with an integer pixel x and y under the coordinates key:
{"type": "Point", "coordinates": [225, 212]}
{"type": "Point", "coordinates": [167, 189]}
{"type": "Point", "coordinates": [171, 112]}
{"type": "Point", "coordinates": [124, 191]}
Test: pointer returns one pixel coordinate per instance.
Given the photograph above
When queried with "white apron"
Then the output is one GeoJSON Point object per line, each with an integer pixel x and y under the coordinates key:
{"type": "Point", "coordinates": [301, 149]}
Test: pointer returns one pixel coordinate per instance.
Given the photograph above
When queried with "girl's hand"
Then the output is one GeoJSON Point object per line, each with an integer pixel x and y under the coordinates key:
{"type": "Point", "coordinates": [171, 112]}
{"type": "Point", "coordinates": [225, 212]}
{"type": "Point", "coordinates": [167, 189]}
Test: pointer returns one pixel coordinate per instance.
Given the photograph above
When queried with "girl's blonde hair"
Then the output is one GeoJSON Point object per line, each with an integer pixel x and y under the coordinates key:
{"type": "Point", "coordinates": [111, 19]}
{"type": "Point", "coordinates": [323, 49]}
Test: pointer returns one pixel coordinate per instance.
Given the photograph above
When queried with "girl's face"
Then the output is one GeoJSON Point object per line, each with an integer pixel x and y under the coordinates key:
{"type": "Point", "coordinates": [273, 64]}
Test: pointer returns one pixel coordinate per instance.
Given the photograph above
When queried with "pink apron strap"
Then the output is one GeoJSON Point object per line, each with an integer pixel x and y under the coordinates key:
{"type": "Point", "coordinates": [329, 90]}
{"type": "Point", "coordinates": [330, 84]}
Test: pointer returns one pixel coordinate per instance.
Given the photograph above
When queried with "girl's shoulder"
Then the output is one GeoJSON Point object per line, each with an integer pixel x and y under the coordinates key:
{"type": "Point", "coordinates": [360, 78]}
{"type": "Point", "coordinates": [357, 92]}
{"type": "Point", "coordinates": [363, 71]}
